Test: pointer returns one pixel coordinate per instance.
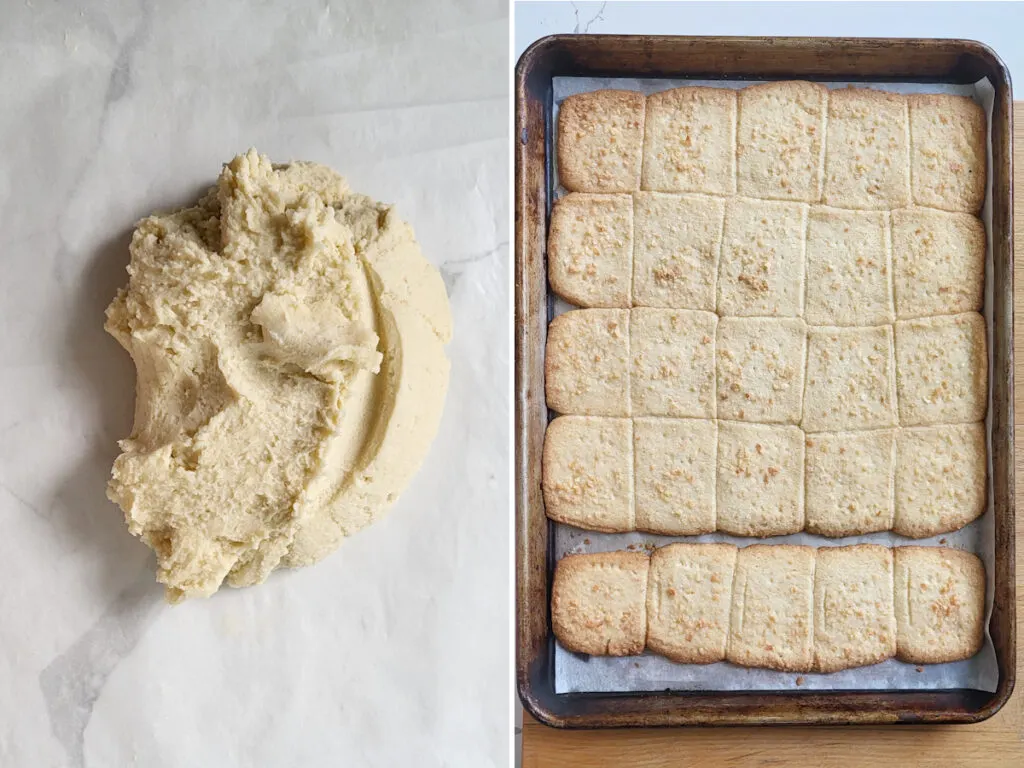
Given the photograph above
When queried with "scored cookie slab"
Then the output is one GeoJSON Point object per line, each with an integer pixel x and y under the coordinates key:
{"type": "Point", "coordinates": [854, 614]}
{"type": "Point", "coordinates": [675, 475]}
{"type": "Point", "coordinates": [590, 249]}
{"type": "Point", "coordinates": [940, 604]}
{"type": "Point", "coordinates": [587, 472]}
{"type": "Point", "coordinates": [599, 603]}
{"type": "Point", "coordinates": [677, 244]}
{"type": "Point", "coordinates": [942, 369]}
{"type": "Point", "coordinates": [867, 150]}
{"type": "Point", "coordinates": [781, 141]}
{"type": "Point", "coordinates": [586, 363]}
{"type": "Point", "coordinates": [771, 615]}
{"type": "Point", "coordinates": [690, 141]}
{"type": "Point", "coordinates": [673, 362]}
{"type": "Point", "coordinates": [600, 141]}
{"type": "Point", "coordinates": [761, 270]}
{"type": "Point", "coordinates": [938, 262]}
{"type": "Point", "coordinates": [689, 596]}
{"type": "Point", "coordinates": [782, 607]}
{"type": "Point", "coordinates": [850, 379]}
{"type": "Point", "coordinates": [849, 482]}
{"type": "Point", "coordinates": [760, 481]}
{"type": "Point", "coordinates": [940, 478]}
{"type": "Point", "coordinates": [849, 269]}
{"type": "Point", "coordinates": [760, 369]}
{"type": "Point", "coordinates": [947, 138]}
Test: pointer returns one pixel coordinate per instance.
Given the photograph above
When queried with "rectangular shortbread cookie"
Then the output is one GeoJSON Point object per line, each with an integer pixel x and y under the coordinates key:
{"type": "Point", "coordinates": [690, 141]}
{"type": "Point", "coordinates": [781, 138]}
{"type": "Point", "coordinates": [761, 268]}
{"type": "Point", "coordinates": [770, 620]}
{"type": "Point", "coordinates": [678, 239]}
{"type": "Point", "coordinates": [940, 604]}
{"type": "Point", "coordinates": [689, 594]}
{"type": "Point", "coordinates": [947, 139]}
{"type": "Point", "coordinates": [854, 616]}
{"type": "Point", "coordinates": [586, 364]}
{"type": "Point", "coordinates": [588, 472]}
{"type": "Point", "coordinates": [600, 141]}
{"type": "Point", "coordinates": [599, 603]}
{"type": "Point", "coordinates": [942, 369]}
{"type": "Point", "coordinates": [673, 362]}
{"type": "Point", "coordinates": [849, 270]}
{"type": "Point", "coordinates": [867, 150]}
{"type": "Point", "coordinates": [940, 478]}
{"type": "Point", "coordinates": [590, 249]}
{"type": "Point", "coordinates": [938, 262]}
{"type": "Point", "coordinates": [675, 475]}
{"type": "Point", "coordinates": [850, 381]}
{"type": "Point", "coordinates": [760, 369]}
{"type": "Point", "coordinates": [760, 479]}
{"type": "Point", "coordinates": [849, 482]}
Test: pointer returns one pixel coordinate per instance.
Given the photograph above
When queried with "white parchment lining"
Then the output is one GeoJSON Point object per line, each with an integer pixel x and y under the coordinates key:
{"type": "Point", "coordinates": [650, 672]}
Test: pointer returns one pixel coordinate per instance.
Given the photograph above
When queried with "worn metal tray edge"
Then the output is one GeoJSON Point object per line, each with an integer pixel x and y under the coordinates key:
{"type": "Point", "coordinates": [587, 54]}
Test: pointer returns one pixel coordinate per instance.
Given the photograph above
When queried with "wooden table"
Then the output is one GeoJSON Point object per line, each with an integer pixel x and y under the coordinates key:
{"type": "Point", "coordinates": [998, 741]}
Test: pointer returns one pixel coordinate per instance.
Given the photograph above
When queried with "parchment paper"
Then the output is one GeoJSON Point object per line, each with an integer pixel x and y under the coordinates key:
{"type": "Point", "coordinates": [393, 651]}
{"type": "Point", "coordinates": [650, 672]}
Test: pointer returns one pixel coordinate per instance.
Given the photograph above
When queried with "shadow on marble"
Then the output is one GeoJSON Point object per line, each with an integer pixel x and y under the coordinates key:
{"type": "Point", "coordinates": [73, 681]}
{"type": "Point", "coordinates": [104, 379]}
{"type": "Point", "coordinates": [102, 376]}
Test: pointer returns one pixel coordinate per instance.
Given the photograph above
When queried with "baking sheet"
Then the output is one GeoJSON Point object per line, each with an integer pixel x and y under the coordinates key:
{"type": "Point", "coordinates": [576, 673]}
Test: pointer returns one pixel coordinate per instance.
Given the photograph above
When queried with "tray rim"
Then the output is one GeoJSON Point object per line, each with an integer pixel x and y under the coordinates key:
{"type": "Point", "coordinates": [645, 709]}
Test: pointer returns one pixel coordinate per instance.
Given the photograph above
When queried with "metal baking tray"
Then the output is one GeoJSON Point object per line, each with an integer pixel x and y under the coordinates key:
{"type": "Point", "coordinates": [745, 58]}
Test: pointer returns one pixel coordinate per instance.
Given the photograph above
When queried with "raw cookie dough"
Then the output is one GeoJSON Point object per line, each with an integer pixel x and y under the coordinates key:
{"type": "Point", "coordinates": [288, 337]}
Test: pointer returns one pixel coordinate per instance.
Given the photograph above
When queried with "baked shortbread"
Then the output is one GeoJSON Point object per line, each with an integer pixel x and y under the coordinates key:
{"type": "Point", "coordinates": [947, 139]}
{"type": "Point", "coordinates": [942, 369]}
{"type": "Point", "coordinates": [599, 603]}
{"type": "Point", "coordinates": [781, 141]}
{"type": "Point", "coordinates": [673, 362]}
{"type": "Point", "coordinates": [586, 364]}
{"type": "Point", "coordinates": [600, 141]}
{"type": "Point", "coordinates": [940, 478]}
{"type": "Point", "coordinates": [678, 240]}
{"type": "Point", "coordinates": [854, 613]}
{"type": "Point", "coordinates": [867, 150]}
{"type": "Point", "coordinates": [590, 250]}
{"type": "Point", "coordinates": [938, 261]}
{"type": "Point", "coordinates": [689, 595]}
{"type": "Point", "coordinates": [772, 604]}
{"type": "Point", "coordinates": [850, 379]}
{"type": "Point", "coordinates": [587, 472]}
{"type": "Point", "coordinates": [940, 604]}
{"type": "Point", "coordinates": [675, 475]}
{"type": "Point", "coordinates": [690, 141]}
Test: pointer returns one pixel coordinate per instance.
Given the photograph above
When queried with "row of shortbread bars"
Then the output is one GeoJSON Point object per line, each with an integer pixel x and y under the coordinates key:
{"type": "Point", "coordinates": [687, 363]}
{"type": "Point", "coordinates": [684, 477]}
{"type": "Point", "coordinates": [746, 257]}
{"type": "Point", "coordinates": [850, 148]}
{"type": "Point", "coordinates": [784, 607]}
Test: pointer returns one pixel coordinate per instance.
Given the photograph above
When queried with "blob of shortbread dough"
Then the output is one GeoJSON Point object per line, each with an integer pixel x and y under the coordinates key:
{"type": "Point", "coordinates": [288, 337]}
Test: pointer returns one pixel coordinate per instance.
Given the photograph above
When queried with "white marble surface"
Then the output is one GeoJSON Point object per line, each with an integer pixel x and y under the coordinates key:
{"type": "Point", "coordinates": [394, 651]}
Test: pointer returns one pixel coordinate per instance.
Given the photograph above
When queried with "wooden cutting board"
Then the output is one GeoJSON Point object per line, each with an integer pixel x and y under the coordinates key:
{"type": "Point", "coordinates": [997, 741]}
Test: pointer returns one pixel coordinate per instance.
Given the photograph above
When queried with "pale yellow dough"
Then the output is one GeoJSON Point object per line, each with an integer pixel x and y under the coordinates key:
{"type": "Point", "coordinates": [288, 336]}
